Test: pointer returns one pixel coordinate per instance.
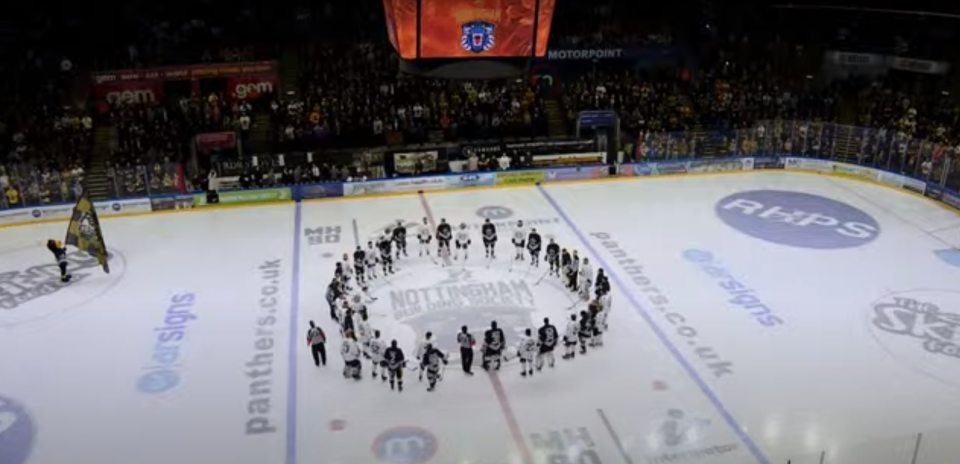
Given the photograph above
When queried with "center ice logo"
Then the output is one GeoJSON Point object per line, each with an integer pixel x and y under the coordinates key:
{"type": "Point", "coordinates": [922, 330]}
{"type": "Point", "coordinates": [797, 219]}
{"type": "Point", "coordinates": [16, 432]}
{"type": "Point", "coordinates": [443, 300]}
{"type": "Point", "coordinates": [31, 292]}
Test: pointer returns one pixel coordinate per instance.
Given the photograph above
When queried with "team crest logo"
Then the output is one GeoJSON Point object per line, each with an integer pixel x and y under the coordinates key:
{"type": "Point", "coordinates": [477, 36]}
{"type": "Point", "coordinates": [921, 328]}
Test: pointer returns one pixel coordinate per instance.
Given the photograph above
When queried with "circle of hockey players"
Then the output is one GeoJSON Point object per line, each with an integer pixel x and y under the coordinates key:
{"type": "Point", "coordinates": [363, 345]}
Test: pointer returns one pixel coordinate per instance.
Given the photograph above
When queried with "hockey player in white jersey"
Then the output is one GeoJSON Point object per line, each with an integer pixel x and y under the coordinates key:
{"type": "Point", "coordinates": [585, 280]}
{"type": "Point", "coordinates": [462, 242]}
{"type": "Point", "coordinates": [606, 302]}
{"type": "Point", "coordinates": [351, 357]}
{"type": "Point", "coordinates": [363, 331]}
{"type": "Point", "coordinates": [519, 241]}
{"type": "Point", "coordinates": [424, 236]}
{"type": "Point", "coordinates": [422, 350]}
{"type": "Point", "coordinates": [371, 261]}
{"type": "Point", "coordinates": [376, 349]}
{"type": "Point", "coordinates": [570, 337]}
{"type": "Point", "coordinates": [527, 350]}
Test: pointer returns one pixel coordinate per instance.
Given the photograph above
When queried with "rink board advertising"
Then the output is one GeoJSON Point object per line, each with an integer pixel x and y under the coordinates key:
{"type": "Point", "coordinates": [468, 28]}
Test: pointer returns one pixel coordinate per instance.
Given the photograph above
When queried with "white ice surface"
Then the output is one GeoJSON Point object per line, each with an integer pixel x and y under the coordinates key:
{"type": "Point", "coordinates": [823, 381]}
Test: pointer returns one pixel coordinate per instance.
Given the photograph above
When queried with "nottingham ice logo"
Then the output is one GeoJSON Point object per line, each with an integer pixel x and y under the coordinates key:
{"type": "Point", "coordinates": [477, 36]}
{"type": "Point", "coordinates": [921, 328]}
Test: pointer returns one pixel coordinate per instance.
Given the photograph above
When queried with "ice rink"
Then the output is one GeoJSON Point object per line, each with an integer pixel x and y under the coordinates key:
{"type": "Point", "coordinates": [756, 318]}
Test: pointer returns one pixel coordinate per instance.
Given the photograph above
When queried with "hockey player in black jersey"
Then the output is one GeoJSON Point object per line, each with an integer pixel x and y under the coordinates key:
{"type": "Point", "coordinates": [359, 260]}
{"type": "Point", "coordinates": [602, 285]}
{"type": "Point", "coordinates": [489, 233]}
{"type": "Point", "coordinates": [394, 361]}
{"type": "Point", "coordinates": [386, 259]}
{"type": "Point", "coordinates": [431, 361]}
{"type": "Point", "coordinates": [444, 235]}
{"type": "Point", "coordinates": [533, 246]}
{"type": "Point", "coordinates": [400, 238]}
{"type": "Point", "coordinates": [565, 264]}
{"type": "Point", "coordinates": [493, 343]}
{"type": "Point", "coordinates": [548, 341]}
{"type": "Point", "coordinates": [553, 258]}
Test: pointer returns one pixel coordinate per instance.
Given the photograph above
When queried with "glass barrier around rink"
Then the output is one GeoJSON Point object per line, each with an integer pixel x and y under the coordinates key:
{"type": "Point", "coordinates": [940, 446]}
{"type": "Point", "coordinates": [28, 185]}
{"type": "Point", "coordinates": [933, 161]}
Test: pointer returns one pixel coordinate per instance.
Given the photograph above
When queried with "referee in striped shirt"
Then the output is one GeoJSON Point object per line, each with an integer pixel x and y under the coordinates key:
{"type": "Point", "coordinates": [466, 342]}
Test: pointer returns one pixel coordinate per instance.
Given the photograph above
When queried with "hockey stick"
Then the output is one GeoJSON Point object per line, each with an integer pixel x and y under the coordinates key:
{"type": "Point", "coordinates": [541, 278]}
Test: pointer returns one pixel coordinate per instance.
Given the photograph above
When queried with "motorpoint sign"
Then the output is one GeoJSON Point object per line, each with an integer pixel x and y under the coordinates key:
{"type": "Point", "coordinates": [797, 219]}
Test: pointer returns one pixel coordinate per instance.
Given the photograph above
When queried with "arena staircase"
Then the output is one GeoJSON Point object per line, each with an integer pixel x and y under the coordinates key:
{"type": "Point", "coordinates": [98, 184]}
{"type": "Point", "coordinates": [556, 121]}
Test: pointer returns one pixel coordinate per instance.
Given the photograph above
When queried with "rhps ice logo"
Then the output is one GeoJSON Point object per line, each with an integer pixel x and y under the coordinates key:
{"type": "Point", "coordinates": [477, 36]}
{"type": "Point", "coordinates": [797, 219]}
{"type": "Point", "coordinates": [405, 445]}
{"type": "Point", "coordinates": [27, 291]}
{"type": "Point", "coordinates": [495, 212]}
{"type": "Point", "coordinates": [921, 328]}
{"type": "Point", "coordinates": [16, 432]}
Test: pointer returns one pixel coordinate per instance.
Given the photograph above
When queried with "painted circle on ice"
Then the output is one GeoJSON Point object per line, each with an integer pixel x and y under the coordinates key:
{"type": "Point", "coordinates": [405, 445]}
{"type": "Point", "coordinates": [797, 219]}
{"type": "Point", "coordinates": [30, 287]}
{"type": "Point", "coordinates": [920, 329]}
{"type": "Point", "coordinates": [158, 381]}
{"type": "Point", "coordinates": [16, 432]}
{"type": "Point", "coordinates": [494, 213]}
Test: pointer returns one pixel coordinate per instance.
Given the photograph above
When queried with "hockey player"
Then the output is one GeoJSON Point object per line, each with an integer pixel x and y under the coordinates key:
{"type": "Point", "coordinates": [432, 357]}
{"type": "Point", "coordinates": [570, 337]}
{"type": "Point", "coordinates": [317, 341]}
{"type": "Point", "coordinates": [363, 332]}
{"type": "Point", "coordinates": [400, 238]}
{"type": "Point", "coordinates": [347, 272]}
{"type": "Point", "coordinates": [574, 270]}
{"type": "Point", "coordinates": [346, 319]}
{"type": "Point", "coordinates": [553, 258]}
{"type": "Point", "coordinates": [463, 241]}
{"type": "Point", "coordinates": [376, 350]}
{"type": "Point", "coordinates": [359, 264]}
{"type": "Point", "coordinates": [519, 234]}
{"type": "Point", "coordinates": [424, 236]}
{"type": "Point", "coordinates": [444, 235]}
{"type": "Point", "coordinates": [493, 341]}
{"type": "Point", "coordinates": [422, 350]}
{"type": "Point", "coordinates": [527, 349]}
{"type": "Point", "coordinates": [386, 259]}
{"type": "Point", "coordinates": [371, 261]}
{"type": "Point", "coordinates": [489, 232]}
{"type": "Point", "coordinates": [565, 261]}
{"type": "Point", "coordinates": [548, 341]}
{"type": "Point", "coordinates": [333, 294]}
{"type": "Point", "coordinates": [351, 357]}
{"type": "Point", "coordinates": [533, 245]}
{"type": "Point", "coordinates": [603, 284]}
{"type": "Point", "coordinates": [605, 303]}
{"type": "Point", "coordinates": [60, 254]}
{"type": "Point", "coordinates": [394, 362]}
{"type": "Point", "coordinates": [586, 280]}
{"type": "Point", "coordinates": [586, 331]}
{"type": "Point", "coordinates": [466, 341]}
{"type": "Point", "coordinates": [596, 312]}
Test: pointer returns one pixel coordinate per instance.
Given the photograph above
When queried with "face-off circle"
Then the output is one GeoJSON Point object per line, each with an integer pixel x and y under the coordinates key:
{"type": "Point", "coordinates": [17, 432]}
{"type": "Point", "coordinates": [797, 219]}
{"type": "Point", "coordinates": [30, 287]}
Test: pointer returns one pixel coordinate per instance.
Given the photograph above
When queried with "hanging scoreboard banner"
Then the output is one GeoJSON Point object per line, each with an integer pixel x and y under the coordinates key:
{"type": "Point", "coordinates": [469, 28]}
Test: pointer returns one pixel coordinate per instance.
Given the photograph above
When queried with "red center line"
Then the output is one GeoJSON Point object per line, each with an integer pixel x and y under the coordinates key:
{"type": "Point", "coordinates": [494, 378]}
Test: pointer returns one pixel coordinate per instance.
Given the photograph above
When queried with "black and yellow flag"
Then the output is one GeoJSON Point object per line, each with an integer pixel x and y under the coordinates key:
{"type": "Point", "coordinates": [84, 231]}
